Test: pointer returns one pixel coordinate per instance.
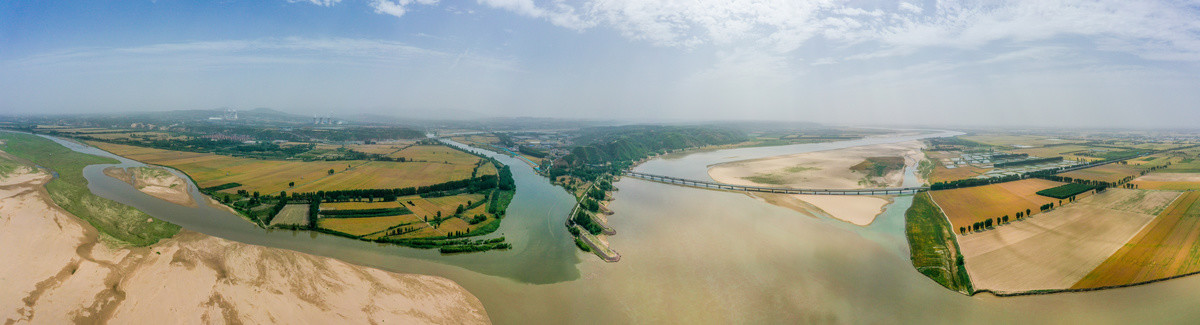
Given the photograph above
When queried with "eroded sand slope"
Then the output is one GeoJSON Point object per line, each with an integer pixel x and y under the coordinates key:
{"type": "Point", "coordinates": [156, 182]}
{"type": "Point", "coordinates": [54, 269]}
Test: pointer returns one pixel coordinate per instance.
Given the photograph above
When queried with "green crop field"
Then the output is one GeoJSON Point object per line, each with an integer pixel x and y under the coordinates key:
{"type": "Point", "coordinates": [1066, 191]}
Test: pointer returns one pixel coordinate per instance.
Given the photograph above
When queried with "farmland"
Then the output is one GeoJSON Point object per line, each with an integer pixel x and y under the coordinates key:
{"type": "Point", "coordinates": [272, 176]}
{"type": "Point", "coordinates": [1168, 181]}
{"type": "Point", "coordinates": [1068, 152]}
{"type": "Point", "coordinates": [966, 206]}
{"type": "Point", "coordinates": [1015, 140]}
{"type": "Point", "coordinates": [1112, 173]}
{"type": "Point", "coordinates": [1168, 246]}
{"type": "Point", "coordinates": [1055, 249]}
{"type": "Point", "coordinates": [367, 225]}
{"type": "Point", "coordinates": [292, 214]}
{"type": "Point", "coordinates": [1066, 191]}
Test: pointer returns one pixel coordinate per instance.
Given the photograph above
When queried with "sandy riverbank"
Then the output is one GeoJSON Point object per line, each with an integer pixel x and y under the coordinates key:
{"type": "Point", "coordinates": [156, 182]}
{"type": "Point", "coordinates": [56, 269]}
{"type": "Point", "coordinates": [823, 169]}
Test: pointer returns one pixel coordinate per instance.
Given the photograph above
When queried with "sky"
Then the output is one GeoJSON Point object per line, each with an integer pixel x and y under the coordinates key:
{"type": "Point", "coordinates": [983, 63]}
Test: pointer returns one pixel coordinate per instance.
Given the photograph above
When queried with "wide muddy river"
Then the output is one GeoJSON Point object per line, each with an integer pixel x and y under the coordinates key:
{"type": "Point", "coordinates": [692, 255]}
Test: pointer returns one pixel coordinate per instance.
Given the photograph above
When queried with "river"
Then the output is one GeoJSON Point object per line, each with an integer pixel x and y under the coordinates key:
{"type": "Point", "coordinates": [690, 255]}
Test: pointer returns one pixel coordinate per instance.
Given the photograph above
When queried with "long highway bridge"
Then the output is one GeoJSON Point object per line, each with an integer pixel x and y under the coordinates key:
{"type": "Point", "coordinates": [783, 190]}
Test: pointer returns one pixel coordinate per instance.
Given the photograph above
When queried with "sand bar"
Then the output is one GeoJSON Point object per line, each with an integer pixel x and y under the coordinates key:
{"type": "Point", "coordinates": [156, 182]}
{"type": "Point", "coordinates": [822, 169]}
{"type": "Point", "coordinates": [73, 277]}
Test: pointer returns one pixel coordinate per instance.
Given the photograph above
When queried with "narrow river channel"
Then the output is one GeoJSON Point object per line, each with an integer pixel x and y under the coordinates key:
{"type": "Point", "coordinates": [690, 255]}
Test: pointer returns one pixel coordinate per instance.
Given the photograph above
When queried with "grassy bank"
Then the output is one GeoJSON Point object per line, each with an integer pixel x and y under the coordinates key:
{"type": "Point", "coordinates": [70, 191]}
{"type": "Point", "coordinates": [933, 246]}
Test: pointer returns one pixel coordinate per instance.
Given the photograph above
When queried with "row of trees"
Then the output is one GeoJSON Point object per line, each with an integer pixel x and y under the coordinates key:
{"type": "Point", "coordinates": [387, 195]}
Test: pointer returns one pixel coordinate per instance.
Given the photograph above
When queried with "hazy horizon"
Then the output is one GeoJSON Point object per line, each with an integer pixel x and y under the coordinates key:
{"type": "Point", "coordinates": [986, 63]}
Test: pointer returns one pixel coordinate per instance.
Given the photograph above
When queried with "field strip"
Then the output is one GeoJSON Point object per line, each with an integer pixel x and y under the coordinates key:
{"type": "Point", "coordinates": [1163, 248]}
{"type": "Point", "coordinates": [335, 173]}
{"type": "Point", "coordinates": [1055, 249]}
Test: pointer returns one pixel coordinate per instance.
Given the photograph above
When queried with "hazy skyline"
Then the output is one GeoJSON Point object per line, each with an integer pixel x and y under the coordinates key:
{"type": "Point", "coordinates": [1094, 63]}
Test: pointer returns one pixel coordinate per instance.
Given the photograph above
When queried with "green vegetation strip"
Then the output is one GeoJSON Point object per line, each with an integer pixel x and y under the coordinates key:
{"type": "Point", "coordinates": [69, 190]}
{"type": "Point", "coordinates": [225, 186]}
{"type": "Point", "coordinates": [1066, 191]}
{"type": "Point", "coordinates": [933, 247]}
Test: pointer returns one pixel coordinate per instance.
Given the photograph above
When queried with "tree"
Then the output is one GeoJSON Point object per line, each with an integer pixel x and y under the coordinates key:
{"type": "Point", "coordinates": [459, 210]}
{"type": "Point", "coordinates": [331, 171]}
{"type": "Point", "coordinates": [1027, 211]}
{"type": "Point", "coordinates": [291, 184]}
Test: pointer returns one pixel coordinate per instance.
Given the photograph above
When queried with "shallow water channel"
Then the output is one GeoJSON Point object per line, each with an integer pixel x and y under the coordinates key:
{"type": "Point", "coordinates": [690, 255]}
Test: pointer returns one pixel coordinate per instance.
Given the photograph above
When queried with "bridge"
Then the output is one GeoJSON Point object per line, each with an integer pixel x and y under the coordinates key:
{"type": "Point", "coordinates": [782, 190]}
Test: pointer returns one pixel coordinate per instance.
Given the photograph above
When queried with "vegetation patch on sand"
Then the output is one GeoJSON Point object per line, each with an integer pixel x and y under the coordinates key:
{"type": "Point", "coordinates": [934, 250]}
{"type": "Point", "coordinates": [1169, 246]}
{"type": "Point", "coordinates": [69, 190]}
{"type": "Point", "coordinates": [1056, 249]}
{"type": "Point", "coordinates": [835, 169]}
{"type": "Point", "coordinates": [874, 168]}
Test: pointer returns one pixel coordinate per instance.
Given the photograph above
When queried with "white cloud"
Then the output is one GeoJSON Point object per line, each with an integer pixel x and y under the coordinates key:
{"type": "Point", "coordinates": [285, 51]}
{"type": "Point", "coordinates": [323, 3]}
{"type": "Point", "coordinates": [1155, 30]}
{"type": "Point", "coordinates": [905, 6]}
{"type": "Point", "coordinates": [396, 7]}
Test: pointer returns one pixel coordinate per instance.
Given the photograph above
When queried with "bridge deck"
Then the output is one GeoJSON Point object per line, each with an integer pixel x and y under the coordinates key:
{"type": "Point", "coordinates": [783, 190]}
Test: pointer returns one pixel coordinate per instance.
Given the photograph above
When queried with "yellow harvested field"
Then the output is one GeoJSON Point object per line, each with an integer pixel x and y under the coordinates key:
{"type": "Point", "coordinates": [1055, 249]}
{"type": "Point", "coordinates": [1068, 152]}
{"type": "Point", "coordinates": [1105, 173]}
{"type": "Point", "coordinates": [487, 169]}
{"type": "Point", "coordinates": [1168, 246]}
{"type": "Point", "coordinates": [436, 153]}
{"type": "Point", "coordinates": [452, 202]}
{"type": "Point", "coordinates": [379, 149]}
{"type": "Point", "coordinates": [446, 204]}
{"type": "Point", "coordinates": [942, 174]}
{"type": "Point", "coordinates": [292, 214]}
{"type": "Point", "coordinates": [386, 174]}
{"type": "Point", "coordinates": [477, 138]}
{"type": "Point", "coordinates": [272, 176]}
{"type": "Point", "coordinates": [137, 136]}
{"type": "Point", "coordinates": [366, 226]}
{"type": "Point", "coordinates": [1014, 140]}
{"type": "Point", "coordinates": [966, 206]}
{"type": "Point", "coordinates": [1168, 181]}
{"type": "Point", "coordinates": [360, 205]}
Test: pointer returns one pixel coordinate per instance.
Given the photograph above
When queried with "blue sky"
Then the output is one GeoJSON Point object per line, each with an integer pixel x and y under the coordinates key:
{"type": "Point", "coordinates": [1037, 63]}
